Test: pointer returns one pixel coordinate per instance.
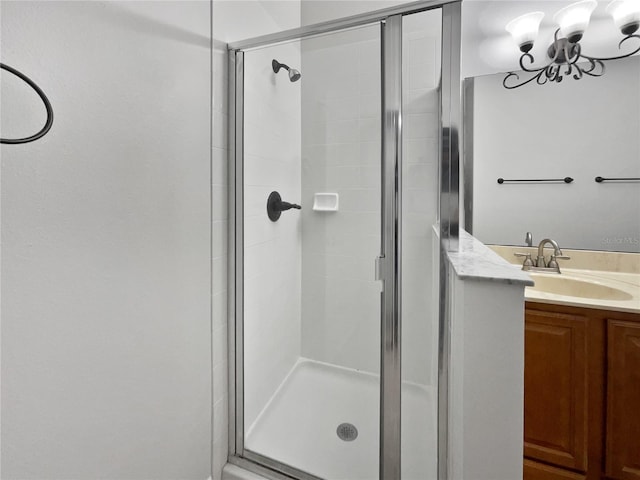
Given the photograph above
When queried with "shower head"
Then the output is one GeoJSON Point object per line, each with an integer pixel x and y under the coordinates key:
{"type": "Point", "coordinates": [294, 75]}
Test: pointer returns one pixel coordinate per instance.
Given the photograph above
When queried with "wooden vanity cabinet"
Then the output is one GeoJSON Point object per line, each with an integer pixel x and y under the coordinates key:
{"type": "Point", "coordinates": [623, 400]}
{"type": "Point", "coordinates": [582, 394]}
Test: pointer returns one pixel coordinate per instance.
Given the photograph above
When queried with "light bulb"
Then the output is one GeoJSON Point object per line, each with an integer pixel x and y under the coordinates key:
{"type": "Point", "coordinates": [626, 15]}
{"type": "Point", "coordinates": [524, 29]}
{"type": "Point", "coordinates": [574, 19]}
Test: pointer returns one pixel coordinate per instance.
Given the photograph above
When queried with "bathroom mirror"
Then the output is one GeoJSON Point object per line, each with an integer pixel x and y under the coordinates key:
{"type": "Point", "coordinates": [580, 129]}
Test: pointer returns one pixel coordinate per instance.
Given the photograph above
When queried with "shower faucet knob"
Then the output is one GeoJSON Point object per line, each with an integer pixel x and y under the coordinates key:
{"type": "Point", "coordinates": [275, 206]}
{"type": "Point", "coordinates": [288, 206]}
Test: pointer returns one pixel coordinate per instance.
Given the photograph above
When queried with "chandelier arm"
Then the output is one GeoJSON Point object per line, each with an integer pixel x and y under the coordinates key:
{"type": "Point", "coordinates": [570, 68]}
{"type": "Point", "coordinates": [537, 71]}
{"type": "Point", "coordinates": [542, 79]}
{"type": "Point", "coordinates": [619, 46]}
{"type": "Point", "coordinates": [580, 72]}
{"type": "Point", "coordinates": [528, 69]}
{"type": "Point", "coordinates": [513, 74]}
{"type": "Point", "coordinates": [553, 73]}
{"type": "Point", "coordinates": [558, 74]}
{"type": "Point", "coordinates": [556, 53]}
{"type": "Point", "coordinates": [594, 64]}
{"type": "Point", "coordinates": [577, 54]}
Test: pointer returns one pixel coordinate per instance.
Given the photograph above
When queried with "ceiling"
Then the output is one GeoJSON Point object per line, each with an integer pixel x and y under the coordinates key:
{"type": "Point", "coordinates": [487, 47]}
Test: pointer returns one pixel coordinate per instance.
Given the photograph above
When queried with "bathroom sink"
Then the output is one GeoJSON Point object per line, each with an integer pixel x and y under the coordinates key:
{"type": "Point", "coordinates": [574, 287]}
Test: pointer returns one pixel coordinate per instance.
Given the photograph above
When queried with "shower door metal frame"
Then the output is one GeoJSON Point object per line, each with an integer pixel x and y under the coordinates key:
{"type": "Point", "coordinates": [389, 262]}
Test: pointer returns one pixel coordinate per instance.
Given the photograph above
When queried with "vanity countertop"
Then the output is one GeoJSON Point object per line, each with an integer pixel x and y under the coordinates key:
{"type": "Point", "coordinates": [623, 279]}
{"type": "Point", "coordinates": [473, 260]}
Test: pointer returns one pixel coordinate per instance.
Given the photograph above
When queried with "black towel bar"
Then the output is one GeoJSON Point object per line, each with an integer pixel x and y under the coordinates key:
{"type": "Point", "coordinates": [544, 180]}
{"type": "Point", "coordinates": [619, 179]}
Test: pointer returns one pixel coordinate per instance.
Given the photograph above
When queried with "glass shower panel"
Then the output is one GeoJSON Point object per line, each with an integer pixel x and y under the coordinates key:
{"type": "Point", "coordinates": [421, 59]}
{"type": "Point", "coordinates": [311, 324]}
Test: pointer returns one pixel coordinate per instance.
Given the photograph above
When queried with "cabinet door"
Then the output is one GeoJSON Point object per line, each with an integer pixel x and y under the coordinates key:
{"type": "Point", "coordinates": [555, 389]}
{"type": "Point", "coordinates": [623, 400]}
{"type": "Point", "coordinates": [540, 471]}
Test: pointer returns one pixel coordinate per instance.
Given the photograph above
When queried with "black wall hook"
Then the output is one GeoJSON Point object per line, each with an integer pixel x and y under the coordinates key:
{"type": "Point", "coordinates": [275, 206]}
{"type": "Point", "coordinates": [47, 106]}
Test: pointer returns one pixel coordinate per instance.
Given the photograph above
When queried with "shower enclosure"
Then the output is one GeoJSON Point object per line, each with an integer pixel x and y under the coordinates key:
{"type": "Point", "coordinates": [344, 157]}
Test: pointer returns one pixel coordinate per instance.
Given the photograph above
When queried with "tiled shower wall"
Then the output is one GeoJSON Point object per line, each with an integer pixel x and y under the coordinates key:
{"type": "Point", "coordinates": [421, 75]}
{"type": "Point", "coordinates": [341, 153]}
{"type": "Point", "coordinates": [231, 21]}
{"type": "Point", "coordinates": [272, 250]}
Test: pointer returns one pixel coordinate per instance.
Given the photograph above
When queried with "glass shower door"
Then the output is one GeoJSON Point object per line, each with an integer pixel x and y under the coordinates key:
{"type": "Point", "coordinates": [339, 353]}
{"type": "Point", "coordinates": [311, 307]}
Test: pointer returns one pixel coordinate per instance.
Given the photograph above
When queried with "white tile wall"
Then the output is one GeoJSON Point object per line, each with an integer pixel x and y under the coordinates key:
{"type": "Point", "coordinates": [271, 249]}
{"type": "Point", "coordinates": [341, 153]}
{"type": "Point", "coordinates": [421, 61]}
{"type": "Point", "coordinates": [233, 21]}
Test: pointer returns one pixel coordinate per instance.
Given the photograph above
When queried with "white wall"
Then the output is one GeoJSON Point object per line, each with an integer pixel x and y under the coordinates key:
{"type": "Point", "coordinates": [106, 354]}
{"type": "Point", "coordinates": [232, 21]}
{"type": "Point", "coordinates": [580, 129]}
{"type": "Point", "coordinates": [272, 262]}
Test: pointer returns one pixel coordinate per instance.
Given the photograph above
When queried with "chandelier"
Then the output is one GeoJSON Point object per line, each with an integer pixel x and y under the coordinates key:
{"type": "Point", "coordinates": [565, 56]}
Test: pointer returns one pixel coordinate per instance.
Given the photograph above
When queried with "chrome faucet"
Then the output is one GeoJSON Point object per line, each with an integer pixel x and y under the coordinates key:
{"type": "Point", "coordinates": [540, 261]}
{"type": "Point", "coordinates": [540, 264]}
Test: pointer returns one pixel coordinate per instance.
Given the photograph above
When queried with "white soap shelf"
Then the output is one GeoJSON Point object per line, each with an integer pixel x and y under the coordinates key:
{"type": "Point", "coordinates": [325, 202]}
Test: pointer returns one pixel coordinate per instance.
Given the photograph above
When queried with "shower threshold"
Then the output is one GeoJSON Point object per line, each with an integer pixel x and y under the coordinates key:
{"type": "Point", "coordinates": [299, 426]}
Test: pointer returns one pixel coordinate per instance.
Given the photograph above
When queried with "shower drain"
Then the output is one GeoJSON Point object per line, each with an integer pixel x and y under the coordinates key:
{"type": "Point", "coordinates": [347, 432]}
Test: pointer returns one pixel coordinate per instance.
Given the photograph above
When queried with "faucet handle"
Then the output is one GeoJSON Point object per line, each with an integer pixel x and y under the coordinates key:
{"type": "Point", "coordinates": [527, 263]}
{"type": "Point", "coordinates": [554, 264]}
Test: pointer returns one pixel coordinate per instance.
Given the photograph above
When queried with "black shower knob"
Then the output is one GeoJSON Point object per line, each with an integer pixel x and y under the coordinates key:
{"type": "Point", "coordinates": [275, 206]}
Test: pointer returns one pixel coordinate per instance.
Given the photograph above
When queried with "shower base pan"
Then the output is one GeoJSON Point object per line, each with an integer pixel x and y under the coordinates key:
{"type": "Point", "coordinates": [303, 425]}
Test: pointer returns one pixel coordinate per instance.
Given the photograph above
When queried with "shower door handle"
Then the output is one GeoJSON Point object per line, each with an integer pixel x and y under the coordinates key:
{"type": "Point", "coordinates": [380, 273]}
{"type": "Point", "coordinates": [379, 267]}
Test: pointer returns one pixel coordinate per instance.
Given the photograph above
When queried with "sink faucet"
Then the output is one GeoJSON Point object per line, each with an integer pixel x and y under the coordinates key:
{"type": "Point", "coordinates": [540, 261]}
{"type": "Point", "coordinates": [540, 264]}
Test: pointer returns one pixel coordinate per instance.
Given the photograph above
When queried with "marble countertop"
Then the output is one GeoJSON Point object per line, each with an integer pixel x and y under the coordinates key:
{"type": "Point", "coordinates": [473, 260]}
